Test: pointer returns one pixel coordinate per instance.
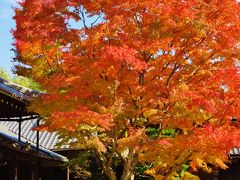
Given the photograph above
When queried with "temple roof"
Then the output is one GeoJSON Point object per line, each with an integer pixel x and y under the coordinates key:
{"type": "Point", "coordinates": [14, 100]}
{"type": "Point", "coordinates": [10, 140]}
{"type": "Point", "coordinates": [47, 140]}
{"type": "Point", "coordinates": [16, 91]}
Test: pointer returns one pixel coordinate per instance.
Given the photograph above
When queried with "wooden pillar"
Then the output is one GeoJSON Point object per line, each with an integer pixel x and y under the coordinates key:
{"type": "Point", "coordinates": [32, 173]}
{"type": "Point", "coordinates": [33, 169]}
{"type": "Point", "coordinates": [216, 174]}
{"type": "Point", "coordinates": [14, 171]}
{"type": "Point", "coordinates": [35, 172]}
{"type": "Point", "coordinates": [68, 173]}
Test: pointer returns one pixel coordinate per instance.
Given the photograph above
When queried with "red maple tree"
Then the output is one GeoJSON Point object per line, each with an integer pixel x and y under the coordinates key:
{"type": "Point", "coordinates": [115, 69]}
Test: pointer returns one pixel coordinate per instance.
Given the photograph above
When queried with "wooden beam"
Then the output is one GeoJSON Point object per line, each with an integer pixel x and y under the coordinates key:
{"type": "Point", "coordinates": [28, 117]}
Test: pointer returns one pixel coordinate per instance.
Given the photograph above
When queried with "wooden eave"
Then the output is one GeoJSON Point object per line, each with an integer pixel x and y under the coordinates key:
{"type": "Point", "coordinates": [14, 100]}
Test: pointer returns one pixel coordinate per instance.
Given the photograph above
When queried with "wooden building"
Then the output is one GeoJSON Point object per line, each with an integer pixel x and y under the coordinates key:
{"type": "Point", "coordinates": [21, 158]}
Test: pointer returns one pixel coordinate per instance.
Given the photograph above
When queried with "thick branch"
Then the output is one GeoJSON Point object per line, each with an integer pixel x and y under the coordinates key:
{"type": "Point", "coordinates": [176, 66]}
{"type": "Point", "coordinates": [133, 100]}
{"type": "Point", "coordinates": [107, 169]}
{"type": "Point", "coordinates": [129, 164]}
{"type": "Point", "coordinates": [187, 155]}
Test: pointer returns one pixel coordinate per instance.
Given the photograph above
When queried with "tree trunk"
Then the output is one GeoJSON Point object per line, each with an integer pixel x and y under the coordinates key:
{"type": "Point", "coordinates": [111, 174]}
{"type": "Point", "coordinates": [105, 165]}
{"type": "Point", "coordinates": [128, 167]}
{"type": "Point", "coordinates": [128, 175]}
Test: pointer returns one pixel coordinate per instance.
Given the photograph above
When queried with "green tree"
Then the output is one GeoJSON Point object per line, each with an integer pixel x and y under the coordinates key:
{"type": "Point", "coordinates": [20, 80]}
{"type": "Point", "coordinates": [4, 74]}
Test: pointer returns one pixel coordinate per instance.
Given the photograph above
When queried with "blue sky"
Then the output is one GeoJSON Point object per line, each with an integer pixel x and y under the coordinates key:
{"type": "Point", "coordinates": [6, 24]}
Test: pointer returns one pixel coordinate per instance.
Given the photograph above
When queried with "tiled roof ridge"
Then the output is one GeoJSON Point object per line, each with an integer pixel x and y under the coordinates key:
{"type": "Point", "coordinates": [16, 91]}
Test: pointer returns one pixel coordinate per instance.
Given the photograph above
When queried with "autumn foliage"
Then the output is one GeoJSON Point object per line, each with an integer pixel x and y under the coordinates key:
{"type": "Point", "coordinates": [115, 69]}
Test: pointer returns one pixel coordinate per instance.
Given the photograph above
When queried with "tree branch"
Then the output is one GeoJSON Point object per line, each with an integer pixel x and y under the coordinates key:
{"type": "Point", "coordinates": [176, 66]}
